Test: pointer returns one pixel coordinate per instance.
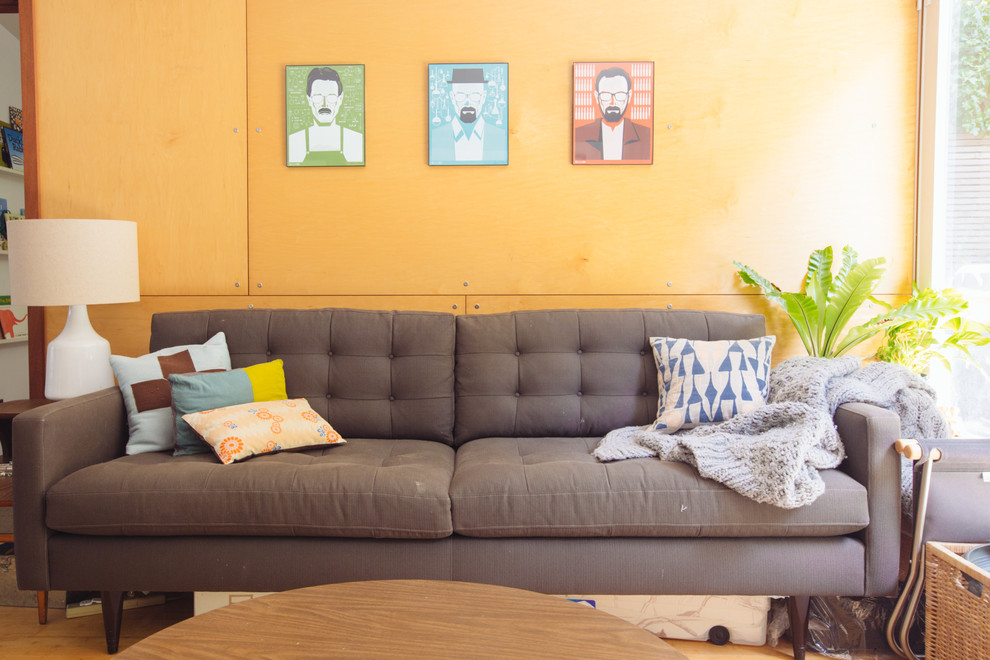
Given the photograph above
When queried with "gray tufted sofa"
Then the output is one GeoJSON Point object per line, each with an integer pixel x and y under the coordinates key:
{"type": "Point", "coordinates": [467, 458]}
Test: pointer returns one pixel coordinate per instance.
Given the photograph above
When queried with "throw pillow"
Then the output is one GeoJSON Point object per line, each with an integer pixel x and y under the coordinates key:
{"type": "Point", "coordinates": [709, 381]}
{"type": "Point", "coordinates": [206, 391]}
{"type": "Point", "coordinates": [251, 429]}
{"type": "Point", "coordinates": [143, 383]}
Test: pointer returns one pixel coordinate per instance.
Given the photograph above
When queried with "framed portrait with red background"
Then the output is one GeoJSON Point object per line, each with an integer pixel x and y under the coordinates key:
{"type": "Point", "coordinates": [613, 113]}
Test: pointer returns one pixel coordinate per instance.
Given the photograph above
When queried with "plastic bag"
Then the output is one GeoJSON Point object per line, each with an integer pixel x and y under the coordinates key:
{"type": "Point", "coordinates": [839, 626]}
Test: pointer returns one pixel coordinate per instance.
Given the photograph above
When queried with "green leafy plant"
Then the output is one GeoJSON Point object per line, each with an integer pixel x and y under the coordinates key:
{"type": "Point", "coordinates": [971, 67]}
{"type": "Point", "coordinates": [915, 343]}
{"type": "Point", "coordinates": [821, 312]}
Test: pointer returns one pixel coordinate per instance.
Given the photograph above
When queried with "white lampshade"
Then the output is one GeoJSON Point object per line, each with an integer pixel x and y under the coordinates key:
{"type": "Point", "coordinates": [74, 263]}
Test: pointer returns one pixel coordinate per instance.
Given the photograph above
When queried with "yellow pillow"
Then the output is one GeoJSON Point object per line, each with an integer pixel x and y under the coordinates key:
{"type": "Point", "coordinates": [252, 429]}
{"type": "Point", "coordinates": [267, 381]}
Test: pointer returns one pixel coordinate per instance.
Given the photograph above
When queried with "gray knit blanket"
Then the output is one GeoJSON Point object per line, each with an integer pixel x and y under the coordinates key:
{"type": "Point", "coordinates": [773, 454]}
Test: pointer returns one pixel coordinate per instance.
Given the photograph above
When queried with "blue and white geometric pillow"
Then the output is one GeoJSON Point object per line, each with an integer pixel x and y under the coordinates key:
{"type": "Point", "coordinates": [709, 381]}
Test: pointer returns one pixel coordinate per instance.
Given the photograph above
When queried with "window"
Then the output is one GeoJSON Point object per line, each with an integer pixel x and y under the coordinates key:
{"type": "Point", "coordinates": [954, 186]}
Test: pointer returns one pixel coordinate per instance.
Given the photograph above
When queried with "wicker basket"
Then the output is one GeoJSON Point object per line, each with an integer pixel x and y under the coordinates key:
{"type": "Point", "coordinates": [957, 602]}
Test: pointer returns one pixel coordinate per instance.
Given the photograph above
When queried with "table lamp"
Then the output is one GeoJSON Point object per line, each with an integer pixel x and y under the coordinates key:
{"type": "Point", "coordinates": [74, 263]}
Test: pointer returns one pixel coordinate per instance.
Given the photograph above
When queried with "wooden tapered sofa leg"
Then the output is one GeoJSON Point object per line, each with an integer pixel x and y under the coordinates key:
{"type": "Point", "coordinates": [113, 612]}
{"type": "Point", "coordinates": [42, 607]}
{"type": "Point", "coordinates": [797, 611]}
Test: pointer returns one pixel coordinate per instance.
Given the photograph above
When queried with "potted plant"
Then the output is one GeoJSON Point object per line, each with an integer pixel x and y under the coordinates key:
{"type": "Point", "coordinates": [915, 343]}
{"type": "Point", "coordinates": [823, 309]}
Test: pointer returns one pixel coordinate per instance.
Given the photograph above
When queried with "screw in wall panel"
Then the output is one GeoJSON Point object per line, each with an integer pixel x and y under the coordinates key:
{"type": "Point", "coordinates": [670, 306]}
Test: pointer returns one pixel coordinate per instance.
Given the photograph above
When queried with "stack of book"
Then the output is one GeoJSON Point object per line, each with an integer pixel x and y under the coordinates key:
{"type": "Point", "coordinates": [13, 140]}
{"type": "Point", "coordinates": [14, 143]}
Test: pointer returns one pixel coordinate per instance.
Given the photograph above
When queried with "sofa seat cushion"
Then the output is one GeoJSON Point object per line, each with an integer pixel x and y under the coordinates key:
{"type": "Point", "coordinates": [506, 487]}
{"type": "Point", "coordinates": [365, 489]}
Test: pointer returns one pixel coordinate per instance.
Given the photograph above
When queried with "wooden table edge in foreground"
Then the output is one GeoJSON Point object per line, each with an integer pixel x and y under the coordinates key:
{"type": "Point", "coordinates": [405, 618]}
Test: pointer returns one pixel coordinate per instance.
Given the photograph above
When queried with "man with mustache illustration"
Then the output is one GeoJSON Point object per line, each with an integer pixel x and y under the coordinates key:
{"type": "Point", "coordinates": [613, 137]}
{"type": "Point", "coordinates": [468, 137]}
{"type": "Point", "coordinates": [325, 142]}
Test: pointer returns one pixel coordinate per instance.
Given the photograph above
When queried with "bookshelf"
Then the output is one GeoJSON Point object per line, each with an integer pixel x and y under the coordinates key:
{"type": "Point", "coordinates": [3, 268]}
{"type": "Point", "coordinates": [14, 363]}
{"type": "Point", "coordinates": [13, 350]}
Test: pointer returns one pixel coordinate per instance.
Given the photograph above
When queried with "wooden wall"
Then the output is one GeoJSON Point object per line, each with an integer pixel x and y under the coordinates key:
{"type": "Point", "coordinates": [781, 126]}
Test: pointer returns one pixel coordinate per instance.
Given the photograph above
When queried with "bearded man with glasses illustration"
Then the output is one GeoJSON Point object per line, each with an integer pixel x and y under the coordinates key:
{"type": "Point", "coordinates": [467, 138]}
{"type": "Point", "coordinates": [612, 137]}
{"type": "Point", "coordinates": [325, 142]}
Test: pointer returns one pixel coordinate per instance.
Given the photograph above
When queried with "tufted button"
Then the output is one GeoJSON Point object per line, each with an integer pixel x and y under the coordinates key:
{"type": "Point", "coordinates": [517, 395]}
{"type": "Point", "coordinates": [268, 352]}
{"type": "Point", "coordinates": [580, 351]}
{"type": "Point", "coordinates": [391, 398]}
{"type": "Point", "coordinates": [390, 356]}
{"type": "Point", "coordinates": [579, 394]}
{"type": "Point", "coordinates": [517, 353]}
{"type": "Point", "coordinates": [330, 353]}
{"type": "Point", "coordinates": [328, 396]}
{"type": "Point", "coordinates": [642, 352]}
{"type": "Point", "coordinates": [646, 393]}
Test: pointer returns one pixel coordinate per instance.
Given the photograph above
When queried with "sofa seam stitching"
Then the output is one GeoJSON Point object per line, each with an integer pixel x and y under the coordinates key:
{"type": "Point", "coordinates": [391, 376]}
{"type": "Point", "coordinates": [515, 416]}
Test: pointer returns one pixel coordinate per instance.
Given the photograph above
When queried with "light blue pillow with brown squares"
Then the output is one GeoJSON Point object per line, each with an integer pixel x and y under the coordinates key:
{"type": "Point", "coordinates": [144, 385]}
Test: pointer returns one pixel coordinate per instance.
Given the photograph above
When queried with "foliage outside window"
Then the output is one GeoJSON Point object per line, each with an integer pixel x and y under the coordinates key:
{"type": "Point", "coordinates": [959, 79]}
{"type": "Point", "coordinates": [971, 68]}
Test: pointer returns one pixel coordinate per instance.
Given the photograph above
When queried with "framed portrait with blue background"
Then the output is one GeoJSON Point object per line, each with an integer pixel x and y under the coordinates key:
{"type": "Point", "coordinates": [324, 115]}
{"type": "Point", "coordinates": [469, 114]}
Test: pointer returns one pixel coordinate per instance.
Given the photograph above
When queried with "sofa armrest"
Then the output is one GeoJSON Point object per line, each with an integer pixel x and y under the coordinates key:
{"type": "Point", "coordinates": [869, 433]}
{"type": "Point", "coordinates": [51, 442]}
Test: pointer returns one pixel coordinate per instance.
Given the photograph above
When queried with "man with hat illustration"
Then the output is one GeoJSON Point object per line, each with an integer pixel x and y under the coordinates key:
{"type": "Point", "coordinates": [467, 137]}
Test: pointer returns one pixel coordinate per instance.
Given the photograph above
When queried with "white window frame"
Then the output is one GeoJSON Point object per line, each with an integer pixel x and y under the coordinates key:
{"type": "Point", "coordinates": [934, 42]}
{"type": "Point", "coordinates": [935, 51]}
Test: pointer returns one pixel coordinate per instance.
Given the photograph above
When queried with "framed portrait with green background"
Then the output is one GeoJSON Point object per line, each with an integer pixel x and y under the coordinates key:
{"type": "Point", "coordinates": [324, 115]}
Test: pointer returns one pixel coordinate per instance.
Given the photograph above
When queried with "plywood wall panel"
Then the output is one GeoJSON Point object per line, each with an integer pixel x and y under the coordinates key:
{"type": "Point", "coordinates": [137, 105]}
{"type": "Point", "coordinates": [781, 127]}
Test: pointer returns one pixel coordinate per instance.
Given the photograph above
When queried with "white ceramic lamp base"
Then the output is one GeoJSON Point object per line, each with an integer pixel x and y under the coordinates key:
{"type": "Point", "coordinates": [78, 359]}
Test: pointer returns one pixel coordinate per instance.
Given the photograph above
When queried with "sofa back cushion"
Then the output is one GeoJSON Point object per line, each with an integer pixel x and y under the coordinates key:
{"type": "Point", "coordinates": [371, 374]}
{"type": "Point", "coordinates": [570, 373]}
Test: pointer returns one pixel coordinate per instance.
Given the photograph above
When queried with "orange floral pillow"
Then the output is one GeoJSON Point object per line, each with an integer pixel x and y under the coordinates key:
{"type": "Point", "coordinates": [264, 427]}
